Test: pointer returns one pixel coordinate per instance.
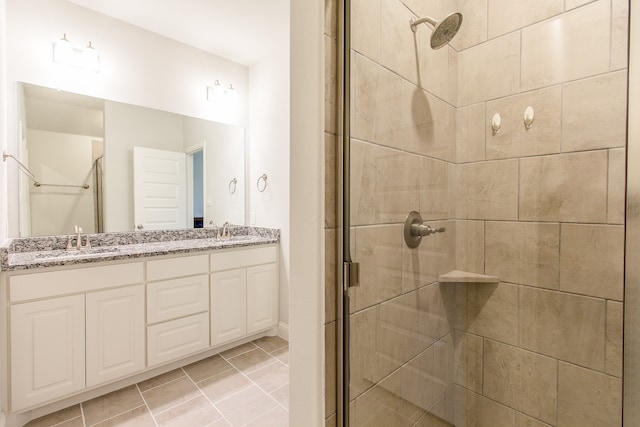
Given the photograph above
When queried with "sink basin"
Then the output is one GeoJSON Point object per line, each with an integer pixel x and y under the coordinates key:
{"type": "Point", "coordinates": [83, 253]}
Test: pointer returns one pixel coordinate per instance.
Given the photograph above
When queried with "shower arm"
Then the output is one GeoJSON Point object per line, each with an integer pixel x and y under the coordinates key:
{"type": "Point", "coordinates": [415, 22]}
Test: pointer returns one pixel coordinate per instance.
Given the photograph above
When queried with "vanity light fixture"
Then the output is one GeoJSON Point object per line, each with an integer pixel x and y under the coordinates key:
{"type": "Point", "coordinates": [85, 58]}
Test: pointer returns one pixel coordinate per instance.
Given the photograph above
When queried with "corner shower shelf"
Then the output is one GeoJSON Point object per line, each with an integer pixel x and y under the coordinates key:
{"type": "Point", "coordinates": [457, 276]}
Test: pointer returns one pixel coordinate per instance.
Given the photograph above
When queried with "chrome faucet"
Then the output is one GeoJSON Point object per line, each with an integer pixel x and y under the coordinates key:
{"type": "Point", "coordinates": [225, 231]}
{"type": "Point", "coordinates": [78, 245]}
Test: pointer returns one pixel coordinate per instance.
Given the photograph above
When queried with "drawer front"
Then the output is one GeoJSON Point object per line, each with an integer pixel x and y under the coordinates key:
{"type": "Point", "coordinates": [53, 283]}
{"type": "Point", "coordinates": [177, 338]}
{"type": "Point", "coordinates": [170, 268]}
{"type": "Point", "coordinates": [239, 258]}
{"type": "Point", "coordinates": [175, 298]}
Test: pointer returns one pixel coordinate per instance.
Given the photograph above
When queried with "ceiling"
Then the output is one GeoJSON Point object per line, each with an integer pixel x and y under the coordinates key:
{"type": "Point", "coordinates": [243, 31]}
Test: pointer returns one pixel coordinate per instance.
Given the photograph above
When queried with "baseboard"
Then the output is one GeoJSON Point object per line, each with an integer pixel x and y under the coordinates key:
{"type": "Point", "coordinates": [283, 331]}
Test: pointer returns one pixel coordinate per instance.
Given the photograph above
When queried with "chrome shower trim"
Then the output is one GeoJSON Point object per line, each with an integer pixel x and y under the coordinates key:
{"type": "Point", "coordinates": [415, 22]}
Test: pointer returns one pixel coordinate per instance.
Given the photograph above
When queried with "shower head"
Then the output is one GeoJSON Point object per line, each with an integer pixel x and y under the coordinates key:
{"type": "Point", "coordinates": [443, 31]}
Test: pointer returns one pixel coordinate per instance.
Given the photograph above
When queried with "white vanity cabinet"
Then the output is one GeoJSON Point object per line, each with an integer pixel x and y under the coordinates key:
{"type": "Point", "coordinates": [74, 328]}
{"type": "Point", "coordinates": [177, 307]}
{"type": "Point", "coordinates": [244, 292]}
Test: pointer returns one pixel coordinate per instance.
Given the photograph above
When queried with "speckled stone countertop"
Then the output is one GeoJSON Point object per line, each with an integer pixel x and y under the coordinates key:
{"type": "Point", "coordinates": [37, 252]}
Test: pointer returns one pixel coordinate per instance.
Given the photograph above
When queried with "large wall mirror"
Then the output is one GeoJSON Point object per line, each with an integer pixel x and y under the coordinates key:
{"type": "Point", "coordinates": [107, 166]}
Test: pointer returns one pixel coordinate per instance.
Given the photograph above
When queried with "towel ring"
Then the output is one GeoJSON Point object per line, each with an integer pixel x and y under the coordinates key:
{"type": "Point", "coordinates": [233, 185]}
{"type": "Point", "coordinates": [263, 186]}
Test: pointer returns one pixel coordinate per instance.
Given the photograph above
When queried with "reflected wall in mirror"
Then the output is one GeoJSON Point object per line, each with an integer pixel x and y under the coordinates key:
{"type": "Point", "coordinates": [73, 141]}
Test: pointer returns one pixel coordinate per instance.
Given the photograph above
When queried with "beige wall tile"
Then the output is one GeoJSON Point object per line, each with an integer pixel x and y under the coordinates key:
{"type": "Point", "coordinates": [420, 385]}
{"type": "Point", "coordinates": [330, 369]}
{"type": "Point", "coordinates": [564, 326]}
{"type": "Point", "coordinates": [616, 194]}
{"type": "Point", "coordinates": [509, 15]}
{"type": "Point", "coordinates": [437, 73]}
{"type": "Point", "coordinates": [416, 131]}
{"type": "Point", "coordinates": [520, 379]}
{"type": "Point", "coordinates": [438, 306]}
{"type": "Point", "coordinates": [474, 24]}
{"type": "Point", "coordinates": [379, 254]}
{"type": "Point", "coordinates": [514, 140]}
{"type": "Point", "coordinates": [470, 133]}
{"type": "Point", "coordinates": [364, 351]}
{"type": "Point", "coordinates": [592, 260]}
{"type": "Point", "coordinates": [619, 33]}
{"type": "Point", "coordinates": [330, 279]}
{"type": "Point", "coordinates": [525, 421]}
{"type": "Point", "coordinates": [365, 27]}
{"type": "Point", "coordinates": [487, 190]}
{"type": "Point", "coordinates": [588, 398]}
{"type": "Point", "coordinates": [468, 361]}
{"type": "Point", "coordinates": [398, 46]}
{"type": "Point", "coordinates": [445, 408]}
{"type": "Point", "coordinates": [384, 184]}
{"type": "Point", "coordinates": [614, 338]}
{"type": "Point", "coordinates": [491, 310]}
{"type": "Point", "coordinates": [470, 246]}
{"type": "Point", "coordinates": [430, 420]}
{"type": "Point", "coordinates": [475, 410]}
{"type": "Point", "coordinates": [330, 84]}
{"type": "Point", "coordinates": [445, 136]}
{"type": "Point", "coordinates": [330, 189]}
{"type": "Point", "coordinates": [434, 189]}
{"type": "Point", "coordinates": [569, 47]}
{"type": "Point", "coordinates": [489, 70]}
{"type": "Point", "coordinates": [548, 190]}
{"type": "Point", "coordinates": [377, 103]}
{"type": "Point", "coordinates": [590, 103]}
{"type": "Point", "coordinates": [444, 360]}
{"type": "Point", "coordinates": [435, 256]}
{"type": "Point", "coordinates": [399, 338]}
{"type": "Point", "coordinates": [572, 4]}
{"type": "Point", "coordinates": [331, 421]}
{"type": "Point", "coordinates": [526, 253]}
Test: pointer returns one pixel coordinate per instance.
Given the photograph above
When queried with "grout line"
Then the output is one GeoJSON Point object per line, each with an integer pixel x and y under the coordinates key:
{"type": "Point", "coordinates": [84, 421]}
{"type": "Point", "coordinates": [209, 400]}
{"type": "Point", "coordinates": [121, 413]}
{"type": "Point", "coordinates": [261, 415]}
{"type": "Point", "coordinates": [147, 406]}
{"type": "Point", "coordinates": [66, 421]}
{"type": "Point", "coordinates": [163, 384]}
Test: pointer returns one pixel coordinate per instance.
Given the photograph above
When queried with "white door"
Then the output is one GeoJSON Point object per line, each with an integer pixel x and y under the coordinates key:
{"type": "Point", "coordinates": [159, 189]}
{"type": "Point", "coordinates": [262, 297]}
{"type": "Point", "coordinates": [115, 333]}
{"type": "Point", "coordinates": [47, 350]}
{"type": "Point", "coordinates": [228, 305]}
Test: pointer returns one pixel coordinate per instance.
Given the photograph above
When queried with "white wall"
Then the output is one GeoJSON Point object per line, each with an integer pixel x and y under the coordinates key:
{"type": "Point", "coordinates": [4, 227]}
{"type": "Point", "coordinates": [269, 154]}
{"type": "Point", "coordinates": [59, 158]}
{"type": "Point", "coordinates": [127, 126]}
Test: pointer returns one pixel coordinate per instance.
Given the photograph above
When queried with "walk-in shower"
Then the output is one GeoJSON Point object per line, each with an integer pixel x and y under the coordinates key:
{"type": "Point", "coordinates": [443, 31]}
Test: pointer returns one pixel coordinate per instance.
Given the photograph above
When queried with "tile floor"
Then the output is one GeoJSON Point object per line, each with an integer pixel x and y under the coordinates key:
{"type": "Point", "coordinates": [244, 386]}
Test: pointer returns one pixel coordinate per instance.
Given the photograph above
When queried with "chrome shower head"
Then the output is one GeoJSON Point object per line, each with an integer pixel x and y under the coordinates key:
{"type": "Point", "coordinates": [443, 31]}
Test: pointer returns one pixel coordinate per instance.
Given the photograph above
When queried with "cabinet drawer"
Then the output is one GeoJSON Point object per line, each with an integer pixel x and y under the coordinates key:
{"type": "Point", "coordinates": [53, 283]}
{"type": "Point", "coordinates": [229, 260]}
{"type": "Point", "coordinates": [170, 268]}
{"type": "Point", "coordinates": [177, 338]}
{"type": "Point", "coordinates": [175, 298]}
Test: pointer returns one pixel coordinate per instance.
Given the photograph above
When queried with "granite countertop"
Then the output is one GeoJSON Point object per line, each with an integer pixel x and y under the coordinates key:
{"type": "Point", "coordinates": [39, 252]}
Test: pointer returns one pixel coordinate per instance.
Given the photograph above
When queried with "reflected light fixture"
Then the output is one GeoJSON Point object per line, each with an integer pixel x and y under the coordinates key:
{"type": "Point", "coordinates": [221, 95]}
{"type": "Point", "coordinates": [215, 92]}
{"type": "Point", "coordinates": [85, 58]}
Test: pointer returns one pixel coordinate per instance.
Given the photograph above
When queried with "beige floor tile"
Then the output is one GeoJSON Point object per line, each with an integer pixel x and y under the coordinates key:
{"type": "Point", "coordinates": [138, 417]}
{"type": "Point", "coordinates": [277, 417]}
{"type": "Point", "coordinates": [251, 361]}
{"type": "Point", "coordinates": [282, 355]}
{"type": "Point", "coordinates": [281, 395]}
{"type": "Point", "coordinates": [224, 384]}
{"type": "Point", "coordinates": [196, 412]}
{"type": "Point", "coordinates": [270, 344]}
{"type": "Point", "coordinates": [171, 394]}
{"type": "Point", "coordinates": [206, 368]}
{"type": "Point", "coordinates": [219, 423]}
{"type": "Point", "coordinates": [235, 351]}
{"type": "Point", "coordinates": [112, 404]}
{"type": "Point", "coordinates": [57, 417]}
{"type": "Point", "coordinates": [161, 379]}
{"type": "Point", "coordinates": [271, 376]}
{"type": "Point", "coordinates": [74, 422]}
{"type": "Point", "coordinates": [245, 406]}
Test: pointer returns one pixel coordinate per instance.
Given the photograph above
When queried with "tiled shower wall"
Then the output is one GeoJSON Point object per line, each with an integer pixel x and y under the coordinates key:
{"type": "Point", "coordinates": [541, 208]}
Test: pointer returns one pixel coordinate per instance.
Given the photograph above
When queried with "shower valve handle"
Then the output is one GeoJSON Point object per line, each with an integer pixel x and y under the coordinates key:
{"type": "Point", "coordinates": [415, 230]}
{"type": "Point", "coordinates": [425, 230]}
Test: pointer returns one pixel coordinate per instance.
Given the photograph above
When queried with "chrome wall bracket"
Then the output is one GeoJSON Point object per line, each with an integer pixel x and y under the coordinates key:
{"type": "Point", "coordinates": [415, 230]}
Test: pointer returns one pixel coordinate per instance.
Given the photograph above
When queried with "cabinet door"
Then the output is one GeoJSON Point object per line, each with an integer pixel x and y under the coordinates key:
{"type": "Point", "coordinates": [262, 297]}
{"type": "Point", "coordinates": [47, 350]}
{"type": "Point", "coordinates": [228, 305]}
{"type": "Point", "coordinates": [115, 333]}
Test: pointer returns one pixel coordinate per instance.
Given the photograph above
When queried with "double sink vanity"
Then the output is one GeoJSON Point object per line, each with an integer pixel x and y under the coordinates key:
{"type": "Point", "coordinates": [133, 305]}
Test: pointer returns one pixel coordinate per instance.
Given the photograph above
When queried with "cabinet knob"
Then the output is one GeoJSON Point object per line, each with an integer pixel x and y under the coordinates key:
{"type": "Point", "coordinates": [140, 226]}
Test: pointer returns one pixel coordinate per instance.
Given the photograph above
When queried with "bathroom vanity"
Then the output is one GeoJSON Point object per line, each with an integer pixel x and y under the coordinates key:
{"type": "Point", "coordinates": [77, 321]}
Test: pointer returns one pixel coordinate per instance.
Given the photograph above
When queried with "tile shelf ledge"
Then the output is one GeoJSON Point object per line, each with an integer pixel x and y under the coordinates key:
{"type": "Point", "coordinates": [458, 276]}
